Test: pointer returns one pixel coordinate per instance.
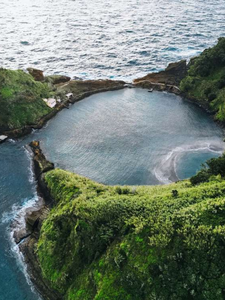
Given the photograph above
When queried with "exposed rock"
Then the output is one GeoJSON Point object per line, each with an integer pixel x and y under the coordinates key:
{"type": "Point", "coordinates": [34, 218]}
{"type": "Point", "coordinates": [81, 89]}
{"type": "Point", "coordinates": [172, 75]}
{"type": "Point", "coordinates": [33, 268]}
{"type": "Point", "coordinates": [57, 79]}
{"type": "Point", "coordinates": [37, 74]}
{"type": "Point", "coordinates": [41, 164]}
{"type": "Point", "coordinates": [158, 87]}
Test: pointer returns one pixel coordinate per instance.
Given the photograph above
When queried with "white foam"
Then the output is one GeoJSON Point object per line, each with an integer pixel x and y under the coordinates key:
{"type": "Point", "coordinates": [11, 141]}
{"type": "Point", "coordinates": [17, 215]}
{"type": "Point", "coordinates": [166, 172]}
{"type": "Point", "coordinates": [15, 219]}
{"type": "Point", "coordinates": [30, 168]}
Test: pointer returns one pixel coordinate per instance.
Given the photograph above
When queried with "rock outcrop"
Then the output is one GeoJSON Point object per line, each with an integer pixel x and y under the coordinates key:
{"type": "Point", "coordinates": [57, 79]}
{"type": "Point", "coordinates": [41, 164]}
{"type": "Point", "coordinates": [36, 74]}
{"type": "Point", "coordinates": [172, 75]}
{"type": "Point", "coordinates": [27, 236]}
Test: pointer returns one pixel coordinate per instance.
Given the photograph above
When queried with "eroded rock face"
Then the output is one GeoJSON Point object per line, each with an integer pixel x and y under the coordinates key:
{"type": "Point", "coordinates": [57, 79]}
{"type": "Point", "coordinates": [172, 75]}
{"type": "Point", "coordinates": [88, 87]}
{"type": "Point", "coordinates": [41, 164]}
{"type": "Point", "coordinates": [37, 74]}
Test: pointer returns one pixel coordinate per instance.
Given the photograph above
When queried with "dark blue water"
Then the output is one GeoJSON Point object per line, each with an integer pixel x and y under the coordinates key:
{"type": "Point", "coordinates": [107, 38]}
{"type": "Point", "coordinates": [121, 137]}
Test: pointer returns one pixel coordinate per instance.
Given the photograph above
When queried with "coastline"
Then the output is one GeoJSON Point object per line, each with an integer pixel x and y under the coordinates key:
{"type": "Point", "coordinates": [167, 80]}
{"type": "Point", "coordinates": [20, 132]}
{"type": "Point", "coordinates": [26, 237]}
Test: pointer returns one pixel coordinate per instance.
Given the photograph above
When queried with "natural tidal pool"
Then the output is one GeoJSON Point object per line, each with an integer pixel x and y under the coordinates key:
{"type": "Point", "coordinates": [127, 137]}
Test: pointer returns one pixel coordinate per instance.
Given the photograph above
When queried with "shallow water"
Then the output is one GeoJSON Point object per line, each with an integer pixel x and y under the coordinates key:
{"type": "Point", "coordinates": [107, 38]}
{"type": "Point", "coordinates": [121, 137]}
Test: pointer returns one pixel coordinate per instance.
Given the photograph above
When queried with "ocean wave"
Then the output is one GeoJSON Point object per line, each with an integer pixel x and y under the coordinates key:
{"type": "Point", "coordinates": [16, 222]}
{"type": "Point", "coordinates": [30, 168]}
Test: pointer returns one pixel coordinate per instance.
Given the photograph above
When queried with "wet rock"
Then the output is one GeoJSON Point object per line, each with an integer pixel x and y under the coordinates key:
{"type": "Point", "coordinates": [34, 218]}
{"type": "Point", "coordinates": [36, 74]}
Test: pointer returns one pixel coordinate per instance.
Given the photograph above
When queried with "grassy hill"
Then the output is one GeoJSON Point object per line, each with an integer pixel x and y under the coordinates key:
{"type": "Point", "coordinates": [131, 243]}
{"type": "Point", "coordinates": [205, 82]}
{"type": "Point", "coordinates": [21, 99]}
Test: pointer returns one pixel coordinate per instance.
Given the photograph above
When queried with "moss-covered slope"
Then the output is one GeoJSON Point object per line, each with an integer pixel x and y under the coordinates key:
{"type": "Point", "coordinates": [116, 243]}
{"type": "Point", "coordinates": [205, 82]}
{"type": "Point", "coordinates": [21, 99]}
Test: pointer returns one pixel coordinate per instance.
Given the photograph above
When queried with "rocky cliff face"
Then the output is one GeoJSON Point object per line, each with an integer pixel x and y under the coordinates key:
{"type": "Point", "coordinates": [172, 75]}
{"type": "Point", "coordinates": [28, 236]}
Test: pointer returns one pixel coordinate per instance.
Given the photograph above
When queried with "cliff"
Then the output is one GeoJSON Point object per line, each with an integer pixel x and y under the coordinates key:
{"type": "Point", "coordinates": [172, 75]}
{"type": "Point", "coordinates": [205, 82]}
{"type": "Point", "coordinates": [101, 242]}
{"type": "Point", "coordinates": [202, 80]}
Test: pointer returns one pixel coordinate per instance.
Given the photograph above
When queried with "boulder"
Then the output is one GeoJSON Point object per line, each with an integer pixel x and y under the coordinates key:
{"type": "Point", "coordinates": [36, 74]}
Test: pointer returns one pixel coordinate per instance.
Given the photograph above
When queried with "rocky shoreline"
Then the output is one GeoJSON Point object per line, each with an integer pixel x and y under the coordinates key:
{"type": "Point", "coordinates": [76, 90]}
{"type": "Point", "coordinates": [72, 91]}
{"type": "Point", "coordinates": [27, 237]}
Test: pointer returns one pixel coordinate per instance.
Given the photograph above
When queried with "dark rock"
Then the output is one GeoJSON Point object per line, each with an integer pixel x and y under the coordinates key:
{"type": "Point", "coordinates": [41, 164]}
{"type": "Point", "coordinates": [57, 79]}
{"type": "Point", "coordinates": [172, 75]}
{"type": "Point", "coordinates": [36, 74]}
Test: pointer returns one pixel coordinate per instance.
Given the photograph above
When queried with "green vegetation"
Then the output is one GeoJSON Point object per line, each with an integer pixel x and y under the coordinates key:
{"type": "Point", "coordinates": [205, 82]}
{"type": "Point", "coordinates": [149, 242]}
{"type": "Point", "coordinates": [213, 169]}
{"type": "Point", "coordinates": [21, 99]}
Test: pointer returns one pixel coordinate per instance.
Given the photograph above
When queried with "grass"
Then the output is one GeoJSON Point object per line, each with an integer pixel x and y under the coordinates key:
{"type": "Point", "coordinates": [102, 242]}
{"type": "Point", "coordinates": [21, 99]}
{"type": "Point", "coordinates": [205, 82]}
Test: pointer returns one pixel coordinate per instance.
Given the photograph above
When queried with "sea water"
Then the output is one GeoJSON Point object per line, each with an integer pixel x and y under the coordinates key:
{"type": "Point", "coordinates": [128, 137]}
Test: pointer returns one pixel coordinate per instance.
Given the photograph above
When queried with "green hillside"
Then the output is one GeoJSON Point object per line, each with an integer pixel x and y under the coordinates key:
{"type": "Point", "coordinates": [149, 242]}
{"type": "Point", "coordinates": [205, 82]}
{"type": "Point", "coordinates": [21, 99]}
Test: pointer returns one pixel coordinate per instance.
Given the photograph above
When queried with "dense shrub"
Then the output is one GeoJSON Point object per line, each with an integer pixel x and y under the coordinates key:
{"type": "Point", "coordinates": [214, 166]}
{"type": "Point", "coordinates": [205, 82]}
{"type": "Point", "coordinates": [21, 99]}
{"type": "Point", "coordinates": [160, 242]}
